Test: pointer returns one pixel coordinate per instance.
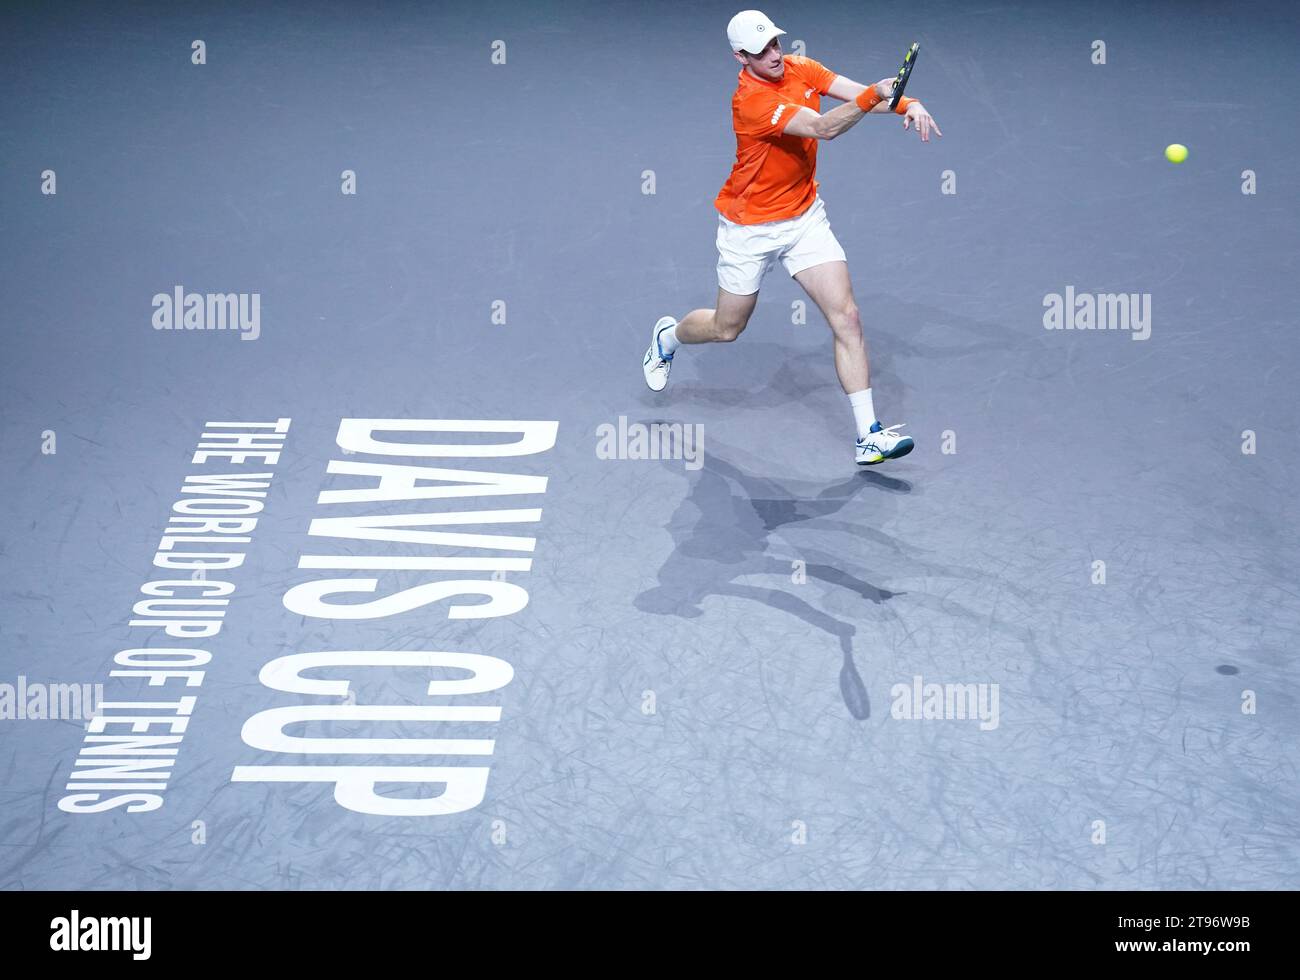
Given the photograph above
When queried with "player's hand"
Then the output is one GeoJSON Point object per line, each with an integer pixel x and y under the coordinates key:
{"type": "Point", "coordinates": [924, 122]}
{"type": "Point", "coordinates": [885, 87]}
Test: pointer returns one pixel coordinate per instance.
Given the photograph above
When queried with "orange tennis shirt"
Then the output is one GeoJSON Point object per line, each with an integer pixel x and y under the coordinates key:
{"type": "Point", "coordinates": [773, 177]}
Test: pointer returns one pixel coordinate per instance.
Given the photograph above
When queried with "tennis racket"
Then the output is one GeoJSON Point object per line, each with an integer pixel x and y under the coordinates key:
{"type": "Point", "coordinates": [904, 74]}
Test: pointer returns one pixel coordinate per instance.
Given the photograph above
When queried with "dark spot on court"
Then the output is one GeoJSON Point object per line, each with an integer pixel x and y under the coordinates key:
{"type": "Point", "coordinates": [1227, 669]}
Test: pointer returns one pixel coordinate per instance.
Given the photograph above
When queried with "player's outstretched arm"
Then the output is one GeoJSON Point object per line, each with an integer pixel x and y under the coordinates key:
{"type": "Point", "coordinates": [846, 90]}
{"type": "Point", "coordinates": [814, 125]}
{"type": "Point", "coordinates": [914, 114]}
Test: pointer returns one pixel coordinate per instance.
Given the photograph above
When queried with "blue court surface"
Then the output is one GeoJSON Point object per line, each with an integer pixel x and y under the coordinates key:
{"type": "Point", "coordinates": [357, 297]}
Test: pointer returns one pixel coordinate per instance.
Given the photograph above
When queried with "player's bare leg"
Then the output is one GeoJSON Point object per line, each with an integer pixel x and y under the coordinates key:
{"type": "Point", "coordinates": [722, 324]}
{"type": "Point", "coordinates": [828, 285]}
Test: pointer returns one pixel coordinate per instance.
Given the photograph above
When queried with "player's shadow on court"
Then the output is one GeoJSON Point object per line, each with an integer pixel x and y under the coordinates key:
{"type": "Point", "coordinates": [723, 534]}
{"type": "Point", "coordinates": [723, 531]}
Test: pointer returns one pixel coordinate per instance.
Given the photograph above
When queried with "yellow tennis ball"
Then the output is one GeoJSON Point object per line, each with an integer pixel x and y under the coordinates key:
{"type": "Point", "coordinates": [1175, 153]}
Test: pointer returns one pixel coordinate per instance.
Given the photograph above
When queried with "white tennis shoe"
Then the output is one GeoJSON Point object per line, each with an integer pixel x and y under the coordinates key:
{"type": "Point", "coordinates": [883, 443]}
{"type": "Point", "coordinates": [656, 364]}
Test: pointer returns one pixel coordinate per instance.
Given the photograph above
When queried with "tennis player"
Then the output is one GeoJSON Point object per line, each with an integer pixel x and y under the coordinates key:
{"type": "Point", "coordinates": [769, 209]}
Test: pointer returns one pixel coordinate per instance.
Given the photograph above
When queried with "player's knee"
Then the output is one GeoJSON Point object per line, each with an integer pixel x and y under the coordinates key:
{"type": "Point", "coordinates": [846, 323]}
{"type": "Point", "coordinates": [727, 330]}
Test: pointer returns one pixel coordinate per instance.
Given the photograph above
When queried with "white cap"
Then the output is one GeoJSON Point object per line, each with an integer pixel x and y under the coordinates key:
{"type": "Point", "coordinates": [752, 31]}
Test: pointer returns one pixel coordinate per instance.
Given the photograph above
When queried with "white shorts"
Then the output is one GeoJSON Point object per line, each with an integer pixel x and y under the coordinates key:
{"type": "Point", "coordinates": [746, 252]}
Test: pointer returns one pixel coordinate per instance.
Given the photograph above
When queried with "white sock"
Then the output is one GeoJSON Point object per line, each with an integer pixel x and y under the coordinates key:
{"type": "Point", "coordinates": [668, 341]}
{"type": "Point", "coordinates": [864, 413]}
